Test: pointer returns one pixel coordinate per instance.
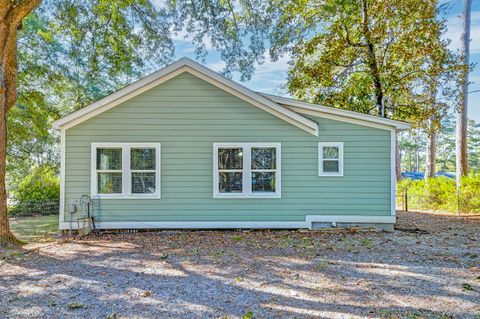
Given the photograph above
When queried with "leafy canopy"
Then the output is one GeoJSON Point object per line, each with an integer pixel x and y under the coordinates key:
{"type": "Point", "coordinates": [71, 53]}
{"type": "Point", "coordinates": [361, 55]}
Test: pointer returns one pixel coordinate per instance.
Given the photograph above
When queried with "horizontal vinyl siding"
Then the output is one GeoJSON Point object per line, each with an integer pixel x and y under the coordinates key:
{"type": "Point", "coordinates": [187, 115]}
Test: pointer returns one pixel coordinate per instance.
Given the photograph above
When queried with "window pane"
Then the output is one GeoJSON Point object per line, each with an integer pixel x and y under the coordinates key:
{"type": "Point", "coordinates": [263, 182]}
{"type": "Point", "coordinates": [230, 182]}
{"type": "Point", "coordinates": [109, 158]}
{"type": "Point", "coordinates": [330, 152]}
{"type": "Point", "coordinates": [142, 158]}
{"type": "Point", "coordinates": [109, 183]}
{"type": "Point", "coordinates": [263, 158]}
{"type": "Point", "coordinates": [143, 183]}
{"type": "Point", "coordinates": [230, 158]}
{"type": "Point", "coordinates": [330, 166]}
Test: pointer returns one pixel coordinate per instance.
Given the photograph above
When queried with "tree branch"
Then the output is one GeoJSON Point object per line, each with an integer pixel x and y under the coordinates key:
{"type": "Point", "coordinates": [23, 8]}
{"type": "Point", "coordinates": [234, 17]}
{"type": "Point", "coordinates": [349, 41]}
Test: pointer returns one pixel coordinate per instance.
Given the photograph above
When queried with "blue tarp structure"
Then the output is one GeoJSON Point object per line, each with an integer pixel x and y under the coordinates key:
{"type": "Point", "coordinates": [421, 175]}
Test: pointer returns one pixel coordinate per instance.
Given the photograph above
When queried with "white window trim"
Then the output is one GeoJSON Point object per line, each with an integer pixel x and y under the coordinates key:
{"type": "Point", "coordinates": [126, 171]}
{"type": "Point", "coordinates": [321, 145]}
{"type": "Point", "coordinates": [247, 171]}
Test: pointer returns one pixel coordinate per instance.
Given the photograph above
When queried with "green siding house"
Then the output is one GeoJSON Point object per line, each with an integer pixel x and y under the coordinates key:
{"type": "Point", "coordinates": [188, 148]}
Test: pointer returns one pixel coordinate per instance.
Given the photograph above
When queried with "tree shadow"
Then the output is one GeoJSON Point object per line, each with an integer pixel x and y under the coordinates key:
{"type": "Point", "coordinates": [214, 274]}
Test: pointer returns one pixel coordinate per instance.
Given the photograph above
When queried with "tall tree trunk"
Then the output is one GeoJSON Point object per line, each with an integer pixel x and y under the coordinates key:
{"type": "Point", "coordinates": [11, 16]}
{"type": "Point", "coordinates": [5, 92]}
{"type": "Point", "coordinates": [431, 154]}
{"type": "Point", "coordinates": [433, 126]}
{"type": "Point", "coordinates": [462, 107]}
{"type": "Point", "coordinates": [398, 159]}
{"type": "Point", "coordinates": [6, 237]}
{"type": "Point", "coordinates": [372, 62]}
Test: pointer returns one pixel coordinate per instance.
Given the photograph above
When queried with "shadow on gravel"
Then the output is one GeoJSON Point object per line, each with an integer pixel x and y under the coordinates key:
{"type": "Point", "coordinates": [268, 274]}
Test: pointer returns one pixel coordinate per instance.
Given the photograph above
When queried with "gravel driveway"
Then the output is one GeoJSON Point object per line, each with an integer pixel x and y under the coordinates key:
{"type": "Point", "coordinates": [430, 268]}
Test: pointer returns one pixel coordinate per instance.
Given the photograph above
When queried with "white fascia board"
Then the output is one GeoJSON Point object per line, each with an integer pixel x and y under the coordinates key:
{"type": "Point", "coordinates": [171, 71]}
{"type": "Point", "coordinates": [338, 114]}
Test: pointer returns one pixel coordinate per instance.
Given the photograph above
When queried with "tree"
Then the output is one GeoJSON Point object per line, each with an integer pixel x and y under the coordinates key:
{"type": "Point", "coordinates": [376, 57]}
{"type": "Point", "coordinates": [11, 15]}
{"type": "Point", "coordinates": [412, 145]}
{"type": "Point", "coordinates": [79, 49]}
{"type": "Point", "coordinates": [446, 145]}
{"type": "Point", "coordinates": [474, 146]}
{"type": "Point", "coordinates": [462, 106]}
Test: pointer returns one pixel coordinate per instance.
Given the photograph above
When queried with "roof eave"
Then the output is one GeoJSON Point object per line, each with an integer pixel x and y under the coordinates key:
{"type": "Point", "coordinates": [301, 105]}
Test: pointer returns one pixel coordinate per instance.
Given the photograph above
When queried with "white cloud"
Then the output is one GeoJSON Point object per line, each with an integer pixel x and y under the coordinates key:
{"type": "Point", "coordinates": [216, 66]}
{"type": "Point", "coordinates": [270, 76]}
{"type": "Point", "coordinates": [159, 3]}
{"type": "Point", "coordinates": [185, 37]}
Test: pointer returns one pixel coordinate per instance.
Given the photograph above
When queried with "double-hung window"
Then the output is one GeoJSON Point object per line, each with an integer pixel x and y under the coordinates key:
{"type": "Point", "coordinates": [330, 159]}
{"type": "Point", "coordinates": [246, 170]}
{"type": "Point", "coordinates": [125, 170]}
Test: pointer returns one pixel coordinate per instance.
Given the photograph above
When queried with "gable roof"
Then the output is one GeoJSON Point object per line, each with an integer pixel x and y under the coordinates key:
{"type": "Point", "coordinates": [287, 109]}
{"type": "Point", "coordinates": [337, 114]}
{"type": "Point", "coordinates": [198, 70]}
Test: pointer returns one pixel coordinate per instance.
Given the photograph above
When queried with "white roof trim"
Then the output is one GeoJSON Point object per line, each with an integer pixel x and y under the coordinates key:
{"type": "Point", "coordinates": [169, 72]}
{"type": "Point", "coordinates": [338, 114]}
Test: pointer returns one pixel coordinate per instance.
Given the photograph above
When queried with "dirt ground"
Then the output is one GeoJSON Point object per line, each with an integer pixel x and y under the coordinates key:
{"type": "Point", "coordinates": [428, 268]}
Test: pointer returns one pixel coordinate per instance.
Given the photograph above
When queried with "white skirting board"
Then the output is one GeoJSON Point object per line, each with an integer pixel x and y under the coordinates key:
{"type": "Point", "coordinates": [309, 220]}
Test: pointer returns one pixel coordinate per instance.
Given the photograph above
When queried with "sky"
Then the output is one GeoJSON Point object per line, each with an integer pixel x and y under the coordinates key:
{"type": "Point", "coordinates": [270, 76]}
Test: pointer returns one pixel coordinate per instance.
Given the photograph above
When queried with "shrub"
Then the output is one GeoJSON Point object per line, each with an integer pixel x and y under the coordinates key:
{"type": "Point", "coordinates": [470, 194]}
{"type": "Point", "coordinates": [439, 194]}
{"type": "Point", "coordinates": [37, 193]}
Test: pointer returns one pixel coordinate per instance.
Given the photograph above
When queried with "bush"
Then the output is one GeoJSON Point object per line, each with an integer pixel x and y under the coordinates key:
{"type": "Point", "coordinates": [37, 193]}
{"type": "Point", "coordinates": [439, 194]}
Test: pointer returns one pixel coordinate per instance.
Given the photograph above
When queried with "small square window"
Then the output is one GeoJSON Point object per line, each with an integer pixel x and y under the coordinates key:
{"type": "Point", "coordinates": [330, 159]}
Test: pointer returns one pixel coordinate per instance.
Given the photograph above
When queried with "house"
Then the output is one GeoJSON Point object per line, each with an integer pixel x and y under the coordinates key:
{"type": "Point", "coordinates": [188, 148]}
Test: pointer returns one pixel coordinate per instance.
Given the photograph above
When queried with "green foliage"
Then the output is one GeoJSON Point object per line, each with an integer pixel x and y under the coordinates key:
{"type": "Point", "coordinates": [360, 55]}
{"type": "Point", "coordinates": [37, 193]}
{"type": "Point", "coordinates": [236, 29]}
{"type": "Point", "coordinates": [71, 53]}
{"type": "Point", "coordinates": [439, 194]}
{"type": "Point", "coordinates": [249, 315]}
{"type": "Point", "coordinates": [42, 184]}
{"type": "Point", "coordinates": [413, 152]}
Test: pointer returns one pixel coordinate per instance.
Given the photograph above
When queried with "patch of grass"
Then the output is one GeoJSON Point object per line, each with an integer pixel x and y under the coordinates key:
{"type": "Point", "coordinates": [35, 229]}
{"type": "Point", "coordinates": [248, 315]}
{"type": "Point", "coordinates": [467, 287]}
{"type": "Point", "coordinates": [217, 254]}
{"type": "Point", "coordinates": [238, 238]}
{"type": "Point", "coordinates": [75, 305]}
{"type": "Point", "coordinates": [368, 243]}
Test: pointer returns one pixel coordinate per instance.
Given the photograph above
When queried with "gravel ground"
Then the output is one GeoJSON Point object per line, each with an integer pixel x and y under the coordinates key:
{"type": "Point", "coordinates": [428, 268]}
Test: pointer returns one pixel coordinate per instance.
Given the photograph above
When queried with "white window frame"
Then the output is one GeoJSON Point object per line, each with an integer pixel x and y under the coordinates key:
{"type": "Point", "coordinates": [247, 171]}
{"type": "Point", "coordinates": [321, 145]}
{"type": "Point", "coordinates": [126, 170]}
